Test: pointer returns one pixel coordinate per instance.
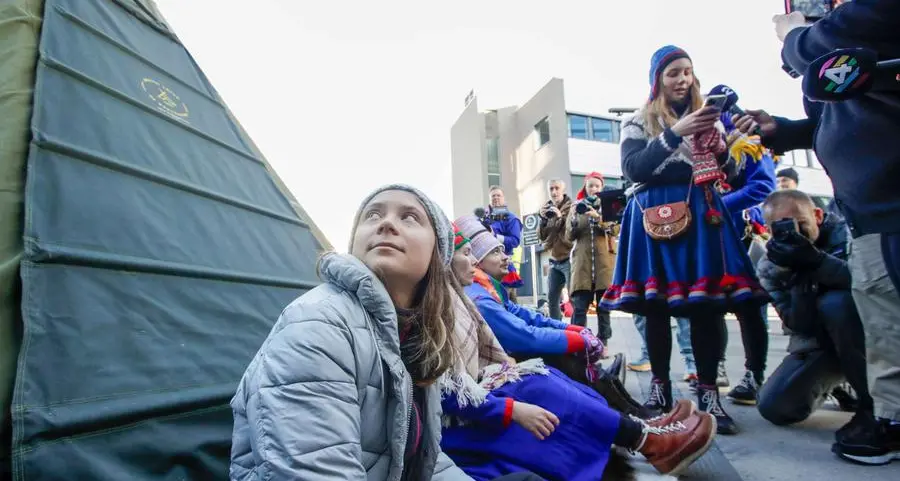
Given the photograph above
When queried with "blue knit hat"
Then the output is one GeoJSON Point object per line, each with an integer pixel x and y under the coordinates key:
{"type": "Point", "coordinates": [659, 61]}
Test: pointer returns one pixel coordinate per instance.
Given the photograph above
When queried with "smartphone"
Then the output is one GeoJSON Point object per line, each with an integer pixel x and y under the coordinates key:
{"type": "Point", "coordinates": [811, 9]}
{"type": "Point", "coordinates": [783, 228]}
{"type": "Point", "coordinates": [715, 101]}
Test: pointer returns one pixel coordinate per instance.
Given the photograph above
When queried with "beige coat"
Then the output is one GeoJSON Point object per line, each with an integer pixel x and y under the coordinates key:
{"type": "Point", "coordinates": [602, 253]}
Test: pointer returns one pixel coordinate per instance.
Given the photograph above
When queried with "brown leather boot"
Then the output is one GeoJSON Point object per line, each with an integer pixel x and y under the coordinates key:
{"type": "Point", "coordinates": [682, 409]}
{"type": "Point", "coordinates": [674, 447]}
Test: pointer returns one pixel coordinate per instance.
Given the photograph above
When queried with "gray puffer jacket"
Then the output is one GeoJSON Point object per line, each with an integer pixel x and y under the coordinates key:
{"type": "Point", "coordinates": [327, 396]}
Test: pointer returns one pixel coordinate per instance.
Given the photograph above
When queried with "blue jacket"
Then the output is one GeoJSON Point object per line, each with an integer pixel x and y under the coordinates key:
{"type": "Point", "coordinates": [578, 449]}
{"type": "Point", "coordinates": [521, 330]}
{"type": "Point", "coordinates": [495, 412]}
{"type": "Point", "coordinates": [756, 215]}
{"type": "Point", "coordinates": [854, 139]}
{"type": "Point", "coordinates": [751, 185]}
{"type": "Point", "coordinates": [510, 229]}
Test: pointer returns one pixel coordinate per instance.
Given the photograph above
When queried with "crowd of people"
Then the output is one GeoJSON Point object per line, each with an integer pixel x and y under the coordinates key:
{"type": "Point", "coordinates": [414, 361]}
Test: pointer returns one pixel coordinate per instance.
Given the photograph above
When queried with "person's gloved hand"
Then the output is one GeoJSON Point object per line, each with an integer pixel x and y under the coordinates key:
{"type": "Point", "coordinates": [593, 346]}
{"type": "Point", "coordinates": [794, 252]}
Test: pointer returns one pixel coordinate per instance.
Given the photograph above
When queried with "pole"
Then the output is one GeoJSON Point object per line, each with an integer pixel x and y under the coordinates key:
{"type": "Point", "coordinates": [534, 274]}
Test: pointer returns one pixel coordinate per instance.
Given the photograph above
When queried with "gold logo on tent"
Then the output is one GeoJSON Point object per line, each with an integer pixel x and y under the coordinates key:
{"type": "Point", "coordinates": [165, 99]}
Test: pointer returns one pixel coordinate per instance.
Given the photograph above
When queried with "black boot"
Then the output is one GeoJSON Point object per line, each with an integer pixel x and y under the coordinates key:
{"type": "Point", "coordinates": [708, 401]}
{"type": "Point", "coordinates": [659, 401]}
{"type": "Point", "coordinates": [862, 423]}
{"type": "Point", "coordinates": [617, 396]}
{"type": "Point", "coordinates": [873, 442]}
{"type": "Point", "coordinates": [617, 368]}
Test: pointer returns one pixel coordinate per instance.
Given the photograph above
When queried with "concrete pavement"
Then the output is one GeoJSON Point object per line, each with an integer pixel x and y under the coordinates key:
{"type": "Point", "coordinates": [762, 451]}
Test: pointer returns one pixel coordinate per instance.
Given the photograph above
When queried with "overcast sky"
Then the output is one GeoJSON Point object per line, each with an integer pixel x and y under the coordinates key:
{"type": "Point", "coordinates": [344, 96]}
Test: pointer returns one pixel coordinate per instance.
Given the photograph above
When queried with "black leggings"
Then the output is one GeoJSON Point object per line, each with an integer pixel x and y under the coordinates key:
{"type": "Point", "coordinates": [754, 337]}
{"type": "Point", "coordinates": [706, 340]}
{"type": "Point", "coordinates": [581, 301]}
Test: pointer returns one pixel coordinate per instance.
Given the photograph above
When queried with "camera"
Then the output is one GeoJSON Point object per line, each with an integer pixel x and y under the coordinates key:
{"type": "Point", "coordinates": [499, 213]}
{"type": "Point", "coordinates": [587, 203]}
{"type": "Point", "coordinates": [546, 212]}
{"type": "Point", "coordinates": [481, 214]}
{"type": "Point", "coordinates": [784, 228]}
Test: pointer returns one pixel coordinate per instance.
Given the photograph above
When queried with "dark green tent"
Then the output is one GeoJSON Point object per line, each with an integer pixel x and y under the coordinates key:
{"type": "Point", "coordinates": [146, 248]}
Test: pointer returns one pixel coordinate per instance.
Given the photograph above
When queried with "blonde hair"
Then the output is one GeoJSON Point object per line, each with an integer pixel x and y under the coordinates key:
{"type": "Point", "coordinates": [659, 115]}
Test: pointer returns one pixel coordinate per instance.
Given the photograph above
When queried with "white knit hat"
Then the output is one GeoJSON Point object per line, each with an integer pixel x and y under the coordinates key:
{"type": "Point", "coordinates": [482, 240]}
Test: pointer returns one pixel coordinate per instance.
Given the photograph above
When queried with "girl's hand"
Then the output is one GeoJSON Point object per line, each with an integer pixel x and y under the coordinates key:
{"type": "Point", "coordinates": [537, 420]}
{"type": "Point", "coordinates": [697, 121]}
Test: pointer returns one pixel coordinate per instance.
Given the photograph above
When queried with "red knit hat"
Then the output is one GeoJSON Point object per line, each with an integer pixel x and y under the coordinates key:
{"type": "Point", "coordinates": [593, 175]}
{"type": "Point", "coordinates": [459, 239]}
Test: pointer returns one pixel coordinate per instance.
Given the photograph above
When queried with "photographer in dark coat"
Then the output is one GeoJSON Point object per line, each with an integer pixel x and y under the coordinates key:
{"type": "Point", "coordinates": [806, 273]}
{"type": "Point", "coordinates": [553, 235]}
{"type": "Point", "coordinates": [854, 141]}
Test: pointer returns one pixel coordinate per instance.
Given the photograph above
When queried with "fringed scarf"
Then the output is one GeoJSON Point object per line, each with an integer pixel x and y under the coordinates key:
{"type": "Point", "coordinates": [481, 365]}
{"type": "Point", "coordinates": [493, 286]}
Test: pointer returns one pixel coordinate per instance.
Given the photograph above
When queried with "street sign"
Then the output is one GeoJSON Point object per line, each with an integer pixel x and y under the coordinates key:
{"type": "Point", "coordinates": [530, 234]}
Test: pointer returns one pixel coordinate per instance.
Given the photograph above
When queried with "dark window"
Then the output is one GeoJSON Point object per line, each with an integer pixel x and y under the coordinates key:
{"type": "Point", "coordinates": [578, 126]}
{"type": "Point", "coordinates": [604, 130]}
{"type": "Point", "coordinates": [541, 133]}
{"type": "Point", "coordinates": [493, 156]}
{"type": "Point", "coordinates": [493, 179]}
{"type": "Point", "coordinates": [577, 183]}
{"type": "Point", "coordinates": [613, 182]}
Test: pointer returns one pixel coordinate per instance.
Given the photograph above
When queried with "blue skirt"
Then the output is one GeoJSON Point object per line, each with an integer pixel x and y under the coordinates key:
{"type": "Point", "coordinates": [577, 450]}
{"type": "Point", "coordinates": [706, 270]}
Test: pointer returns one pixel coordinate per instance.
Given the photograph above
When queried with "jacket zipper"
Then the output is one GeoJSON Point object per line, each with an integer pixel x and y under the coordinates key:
{"type": "Point", "coordinates": [406, 428]}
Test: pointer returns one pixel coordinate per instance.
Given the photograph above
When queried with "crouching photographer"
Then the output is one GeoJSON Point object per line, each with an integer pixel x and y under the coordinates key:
{"type": "Point", "coordinates": [593, 255]}
{"type": "Point", "coordinates": [806, 273]}
{"type": "Point", "coordinates": [553, 235]}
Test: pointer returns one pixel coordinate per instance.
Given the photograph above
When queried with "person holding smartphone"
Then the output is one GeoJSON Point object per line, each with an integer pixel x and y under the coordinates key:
{"type": "Point", "coordinates": [679, 255]}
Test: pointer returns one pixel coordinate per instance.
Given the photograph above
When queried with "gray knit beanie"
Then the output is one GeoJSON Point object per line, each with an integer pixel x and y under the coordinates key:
{"type": "Point", "coordinates": [443, 231]}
